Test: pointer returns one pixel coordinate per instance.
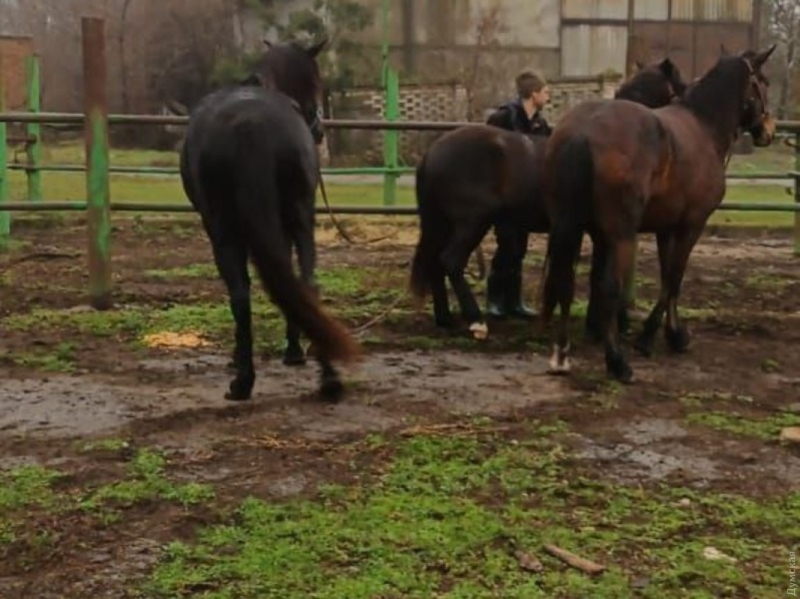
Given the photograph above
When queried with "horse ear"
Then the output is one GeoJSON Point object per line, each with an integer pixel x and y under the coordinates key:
{"type": "Point", "coordinates": [317, 48]}
{"type": "Point", "coordinates": [639, 65]}
{"type": "Point", "coordinates": [723, 51]}
{"type": "Point", "coordinates": [267, 43]}
{"type": "Point", "coordinates": [762, 57]}
{"type": "Point", "coordinates": [667, 67]}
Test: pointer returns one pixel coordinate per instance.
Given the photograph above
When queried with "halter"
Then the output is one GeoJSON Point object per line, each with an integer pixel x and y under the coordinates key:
{"type": "Point", "coordinates": [754, 83]}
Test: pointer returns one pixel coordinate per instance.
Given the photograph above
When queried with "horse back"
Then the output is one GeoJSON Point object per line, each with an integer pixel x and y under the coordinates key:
{"type": "Point", "coordinates": [482, 165]}
{"type": "Point", "coordinates": [233, 128]}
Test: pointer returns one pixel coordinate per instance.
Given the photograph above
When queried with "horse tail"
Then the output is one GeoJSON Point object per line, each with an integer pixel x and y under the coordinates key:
{"type": "Point", "coordinates": [258, 212]}
{"type": "Point", "coordinates": [427, 251]}
{"type": "Point", "coordinates": [573, 175]}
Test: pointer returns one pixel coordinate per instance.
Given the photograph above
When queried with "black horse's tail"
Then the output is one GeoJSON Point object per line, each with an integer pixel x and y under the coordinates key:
{"type": "Point", "coordinates": [573, 174]}
{"type": "Point", "coordinates": [257, 210]}
{"type": "Point", "coordinates": [429, 245]}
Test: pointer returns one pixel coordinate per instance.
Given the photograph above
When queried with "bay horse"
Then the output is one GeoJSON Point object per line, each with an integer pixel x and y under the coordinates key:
{"type": "Point", "coordinates": [616, 168]}
{"type": "Point", "coordinates": [473, 176]}
{"type": "Point", "coordinates": [249, 166]}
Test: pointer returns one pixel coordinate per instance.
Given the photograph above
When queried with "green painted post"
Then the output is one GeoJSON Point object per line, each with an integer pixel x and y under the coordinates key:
{"type": "Point", "coordinates": [390, 139]}
{"type": "Point", "coordinates": [391, 109]}
{"type": "Point", "coordinates": [797, 193]}
{"type": "Point", "coordinates": [5, 217]}
{"type": "Point", "coordinates": [98, 211]}
{"type": "Point", "coordinates": [34, 130]}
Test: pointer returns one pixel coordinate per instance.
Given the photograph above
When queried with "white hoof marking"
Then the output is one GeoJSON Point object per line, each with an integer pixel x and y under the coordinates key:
{"type": "Point", "coordinates": [479, 330]}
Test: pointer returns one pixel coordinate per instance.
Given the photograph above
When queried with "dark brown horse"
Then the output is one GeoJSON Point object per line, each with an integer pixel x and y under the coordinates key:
{"type": "Point", "coordinates": [249, 167]}
{"type": "Point", "coordinates": [662, 172]}
{"type": "Point", "coordinates": [472, 177]}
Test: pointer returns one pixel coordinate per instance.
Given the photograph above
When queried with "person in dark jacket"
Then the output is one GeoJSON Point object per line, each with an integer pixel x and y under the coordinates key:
{"type": "Point", "coordinates": [504, 284]}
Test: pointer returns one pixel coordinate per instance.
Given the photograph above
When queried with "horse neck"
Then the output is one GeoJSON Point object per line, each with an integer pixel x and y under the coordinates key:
{"type": "Point", "coordinates": [712, 102]}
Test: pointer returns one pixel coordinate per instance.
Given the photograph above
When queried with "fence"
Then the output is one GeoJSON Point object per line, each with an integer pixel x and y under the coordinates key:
{"type": "Point", "coordinates": [96, 120]}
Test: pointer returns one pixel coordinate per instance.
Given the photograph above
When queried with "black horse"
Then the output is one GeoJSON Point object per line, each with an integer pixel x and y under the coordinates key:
{"type": "Point", "coordinates": [249, 166]}
{"type": "Point", "coordinates": [474, 176]}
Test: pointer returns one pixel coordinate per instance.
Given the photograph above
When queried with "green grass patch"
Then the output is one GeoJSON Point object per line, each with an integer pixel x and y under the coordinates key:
{"type": "Point", "coordinates": [706, 409]}
{"type": "Point", "coordinates": [446, 515]}
{"type": "Point", "coordinates": [352, 294]}
{"type": "Point", "coordinates": [60, 358]}
{"type": "Point", "coordinates": [767, 428]}
{"type": "Point", "coordinates": [160, 188]}
{"type": "Point", "coordinates": [30, 494]}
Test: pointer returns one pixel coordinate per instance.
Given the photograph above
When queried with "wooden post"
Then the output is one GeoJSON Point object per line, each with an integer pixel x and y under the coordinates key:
{"type": "Point", "coordinates": [98, 211]}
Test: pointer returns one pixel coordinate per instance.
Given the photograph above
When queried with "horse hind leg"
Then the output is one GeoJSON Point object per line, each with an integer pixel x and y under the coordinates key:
{"type": "Point", "coordinates": [231, 260]}
{"type": "Point", "coordinates": [454, 258]}
{"type": "Point", "coordinates": [618, 264]}
{"type": "Point", "coordinates": [331, 386]}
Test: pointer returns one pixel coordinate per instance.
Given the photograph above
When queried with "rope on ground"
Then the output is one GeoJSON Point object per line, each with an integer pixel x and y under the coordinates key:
{"type": "Point", "coordinates": [380, 317]}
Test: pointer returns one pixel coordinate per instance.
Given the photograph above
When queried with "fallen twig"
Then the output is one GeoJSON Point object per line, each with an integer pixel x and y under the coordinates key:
{"type": "Point", "coordinates": [584, 565]}
{"type": "Point", "coordinates": [37, 256]}
{"type": "Point", "coordinates": [451, 430]}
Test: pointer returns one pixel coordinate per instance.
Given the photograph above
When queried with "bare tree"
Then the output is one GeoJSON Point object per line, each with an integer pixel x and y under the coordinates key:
{"type": "Point", "coordinates": [783, 27]}
{"type": "Point", "coordinates": [487, 27]}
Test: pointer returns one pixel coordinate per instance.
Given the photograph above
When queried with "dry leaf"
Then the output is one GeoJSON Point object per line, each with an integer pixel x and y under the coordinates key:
{"type": "Point", "coordinates": [528, 562]}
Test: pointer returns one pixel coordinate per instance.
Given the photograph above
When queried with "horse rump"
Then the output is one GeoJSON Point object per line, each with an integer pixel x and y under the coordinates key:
{"type": "Point", "coordinates": [257, 209]}
{"type": "Point", "coordinates": [431, 240]}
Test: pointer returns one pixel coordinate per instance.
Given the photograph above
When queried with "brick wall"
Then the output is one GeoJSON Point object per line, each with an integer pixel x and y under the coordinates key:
{"type": "Point", "coordinates": [13, 51]}
{"type": "Point", "coordinates": [434, 103]}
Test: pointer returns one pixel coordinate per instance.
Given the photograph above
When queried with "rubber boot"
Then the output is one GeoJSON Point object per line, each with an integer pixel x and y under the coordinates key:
{"type": "Point", "coordinates": [495, 296]}
{"type": "Point", "coordinates": [515, 306]}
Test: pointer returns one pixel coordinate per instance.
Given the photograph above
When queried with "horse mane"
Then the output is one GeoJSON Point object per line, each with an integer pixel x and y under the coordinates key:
{"type": "Point", "coordinates": [717, 98]}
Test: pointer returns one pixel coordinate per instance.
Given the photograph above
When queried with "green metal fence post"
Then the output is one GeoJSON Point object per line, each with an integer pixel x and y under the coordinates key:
{"type": "Point", "coordinates": [97, 179]}
{"type": "Point", "coordinates": [797, 192]}
{"type": "Point", "coordinates": [33, 145]}
{"type": "Point", "coordinates": [5, 217]}
{"type": "Point", "coordinates": [390, 138]}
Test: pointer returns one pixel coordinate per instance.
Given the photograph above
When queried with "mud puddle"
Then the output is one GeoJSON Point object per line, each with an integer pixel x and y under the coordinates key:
{"type": "Point", "coordinates": [459, 383]}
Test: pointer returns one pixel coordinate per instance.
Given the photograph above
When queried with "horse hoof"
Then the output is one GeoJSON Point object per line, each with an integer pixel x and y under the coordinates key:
{"type": "Point", "coordinates": [479, 330]}
{"type": "Point", "coordinates": [678, 340]}
{"type": "Point", "coordinates": [445, 322]}
{"type": "Point", "coordinates": [620, 370]}
{"type": "Point", "coordinates": [239, 390]}
{"type": "Point", "coordinates": [559, 362]}
{"type": "Point", "coordinates": [294, 357]}
{"type": "Point", "coordinates": [644, 346]}
{"type": "Point", "coordinates": [331, 389]}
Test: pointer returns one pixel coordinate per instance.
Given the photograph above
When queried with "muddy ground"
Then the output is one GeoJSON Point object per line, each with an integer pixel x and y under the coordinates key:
{"type": "Point", "coordinates": [64, 385]}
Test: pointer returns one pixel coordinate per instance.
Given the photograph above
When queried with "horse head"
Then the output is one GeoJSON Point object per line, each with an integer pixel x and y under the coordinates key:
{"type": "Point", "coordinates": [292, 69]}
{"type": "Point", "coordinates": [653, 85]}
{"type": "Point", "coordinates": [756, 118]}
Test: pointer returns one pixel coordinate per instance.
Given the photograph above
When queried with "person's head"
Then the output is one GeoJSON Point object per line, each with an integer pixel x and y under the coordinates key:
{"type": "Point", "coordinates": [533, 90]}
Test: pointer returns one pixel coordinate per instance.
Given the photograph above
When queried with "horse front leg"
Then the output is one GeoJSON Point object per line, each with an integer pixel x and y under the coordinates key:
{"type": "Point", "coordinates": [675, 331]}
